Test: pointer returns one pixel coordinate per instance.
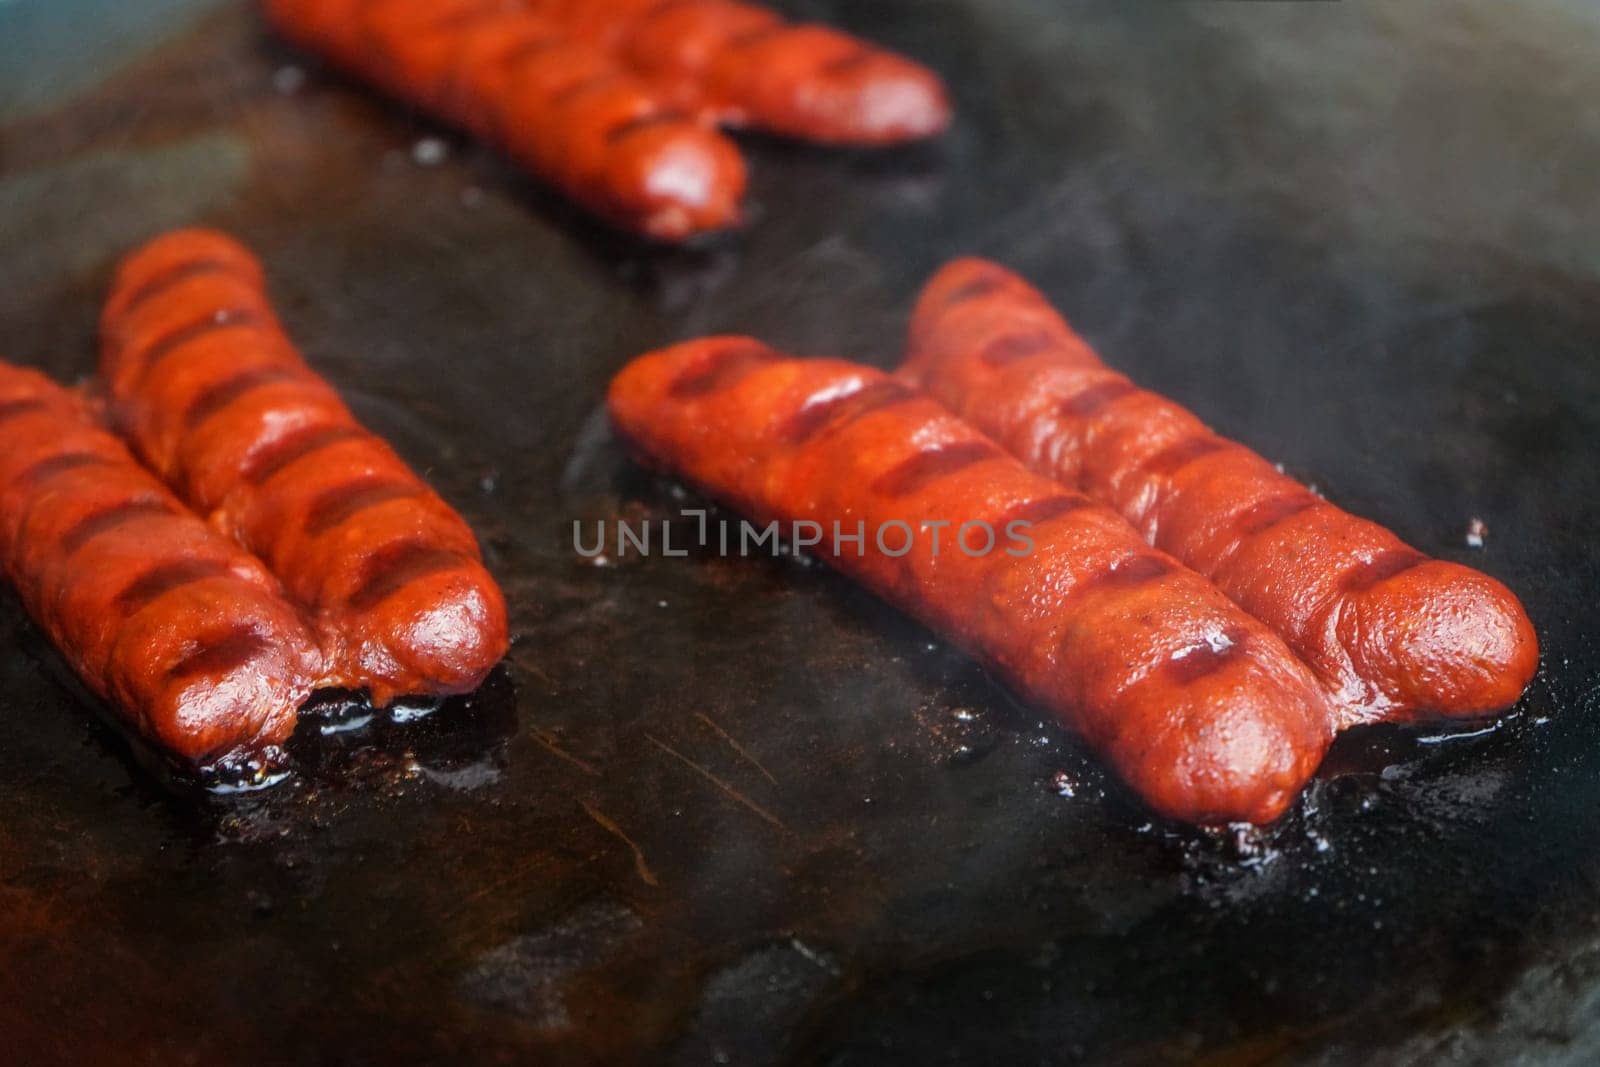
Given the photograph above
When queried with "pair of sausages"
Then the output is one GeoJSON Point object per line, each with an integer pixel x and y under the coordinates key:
{"type": "Point", "coordinates": [565, 109]}
{"type": "Point", "coordinates": [744, 66]}
{"type": "Point", "coordinates": [1198, 706]}
{"type": "Point", "coordinates": [1213, 691]}
{"type": "Point", "coordinates": [616, 103]}
{"type": "Point", "coordinates": [186, 636]}
{"type": "Point", "coordinates": [325, 563]}
{"type": "Point", "coordinates": [202, 379]}
{"type": "Point", "coordinates": [1393, 634]}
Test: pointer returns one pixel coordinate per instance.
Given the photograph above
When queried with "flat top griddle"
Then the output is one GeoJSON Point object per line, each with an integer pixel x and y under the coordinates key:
{"type": "Point", "coordinates": [738, 811]}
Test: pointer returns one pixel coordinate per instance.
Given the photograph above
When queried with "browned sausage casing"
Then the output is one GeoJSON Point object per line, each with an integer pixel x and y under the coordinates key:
{"type": "Point", "coordinates": [1197, 706]}
{"type": "Point", "coordinates": [216, 399]}
{"type": "Point", "coordinates": [185, 636]}
{"type": "Point", "coordinates": [1394, 634]}
{"type": "Point", "coordinates": [743, 65]}
{"type": "Point", "coordinates": [564, 108]}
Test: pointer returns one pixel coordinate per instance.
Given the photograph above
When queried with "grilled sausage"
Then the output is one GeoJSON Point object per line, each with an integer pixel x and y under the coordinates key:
{"type": "Point", "coordinates": [215, 398]}
{"type": "Point", "coordinates": [1394, 634]}
{"type": "Point", "coordinates": [1197, 706]}
{"type": "Point", "coordinates": [562, 107]}
{"type": "Point", "coordinates": [187, 637]}
{"type": "Point", "coordinates": [743, 65]}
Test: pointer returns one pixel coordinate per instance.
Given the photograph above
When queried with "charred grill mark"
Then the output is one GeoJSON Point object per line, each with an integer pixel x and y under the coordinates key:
{"type": "Point", "coordinates": [921, 470]}
{"type": "Point", "coordinates": [1203, 662]}
{"type": "Point", "coordinates": [985, 284]}
{"type": "Point", "coordinates": [46, 469]}
{"type": "Point", "coordinates": [723, 368]}
{"type": "Point", "coordinates": [13, 408]}
{"type": "Point", "coordinates": [1385, 565]}
{"type": "Point", "coordinates": [1089, 402]}
{"type": "Point", "coordinates": [218, 397]}
{"type": "Point", "coordinates": [458, 82]}
{"type": "Point", "coordinates": [848, 62]}
{"type": "Point", "coordinates": [296, 446]}
{"type": "Point", "coordinates": [222, 656]}
{"type": "Point", "coordinates": [104, 521]}
{"type": "Point", "coordinates": [173, 277]}
{"type": "Point", "coordinates": [525, 51]}
{"type": "Point", "coordinates": [1038, 512]}
{"type": "Point", "coordinates": [1266, 514]}
{"type": "Point", "coordinates": [177, 337]}
{"type": "Point", "coordinates": [1129, 574]}
{"type": "Point", "coordinates": [435, 21]}
{"type": "Point", "coordinates": [1013, 348]}
{"type": "Point", "coordinates": [756, 36]}
{"type": "Point", "coordinates": [568, 93]}
{"type": "Point", "coordinates": [396, 566]}
{"type": "Point", "coordinates": [666, 117]}
{"type": "Point", "coordinates": [164, 578]}
{"type": "Point", "coordinates": [659, 9]}
{"type": "Point", "coordinates": [814, 417]}
{"type": "Point", "coordinates": [458, 21]}
{"type": "Point", "coordinates": [1172, 459]}
{"type": "Point", "coordinates": [335, 506]}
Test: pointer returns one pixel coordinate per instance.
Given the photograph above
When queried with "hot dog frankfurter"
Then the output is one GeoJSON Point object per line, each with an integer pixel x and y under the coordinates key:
{"type": "Point", "coordinates": [744, 65]}
{"type": "Point", "coordinates": [562, 107]}
{"type": "Point", "coordinates": [188, 638]}
{"type": "Point", "coordinates": [1201, 709]}
{"type": "Point", "coordinates": [1394, 634]}
{"type": "Point", "coordinates": [216, 399]}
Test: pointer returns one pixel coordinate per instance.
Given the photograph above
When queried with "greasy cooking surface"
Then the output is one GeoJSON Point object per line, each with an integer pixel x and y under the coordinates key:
{"type": "Point", "coordinates": [1359, 239]}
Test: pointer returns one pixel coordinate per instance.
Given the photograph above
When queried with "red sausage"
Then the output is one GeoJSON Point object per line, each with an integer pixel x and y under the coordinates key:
{"type": "Point", "coordinates": [743, 65]}
{"type": "Point", "coordinates": [562, 107]}
{"type": "Point", "coordinates": [1197, 706]}
{"type": "Point", "coordinates": [1394, 634]}
{"type": "Point", "coordinates": [216, 399]}
{"type": "Point", "coordinates": [185, 636]}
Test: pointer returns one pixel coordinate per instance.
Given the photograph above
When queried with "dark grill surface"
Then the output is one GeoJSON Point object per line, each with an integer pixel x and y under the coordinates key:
{"type": "Point", "coordinates": [735, 810]}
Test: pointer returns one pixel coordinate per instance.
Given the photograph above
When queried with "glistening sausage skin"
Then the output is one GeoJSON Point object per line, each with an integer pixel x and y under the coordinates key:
{"type": "Point", "coordinates": [187, 638]}
{"type": "Point", "coordinates": [217, 400]}
{"type": "Point", "coordinates": [562, 107]}
{"type": "Point", "coordinates": [1197, 706]}
{"type": "Point", "coordinates": [743, 65]}
{"type": "Point", "coordinates": [1394, 634]}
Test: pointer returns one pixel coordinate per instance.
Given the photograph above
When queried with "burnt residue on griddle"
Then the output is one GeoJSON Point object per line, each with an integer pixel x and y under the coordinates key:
{"type": "Point", "coordinates": [1225, 199]}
